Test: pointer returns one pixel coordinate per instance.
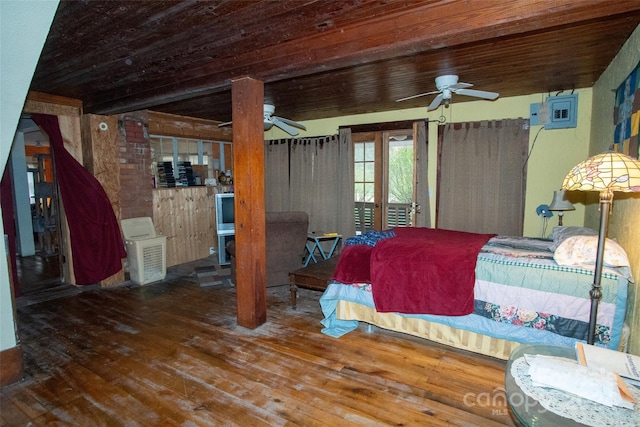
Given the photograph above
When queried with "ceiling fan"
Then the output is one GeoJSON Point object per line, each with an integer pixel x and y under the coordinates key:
{"type": "Point", "coordinates": [271, 120]}
{"type": "Point", "coordinates": [448, 85]}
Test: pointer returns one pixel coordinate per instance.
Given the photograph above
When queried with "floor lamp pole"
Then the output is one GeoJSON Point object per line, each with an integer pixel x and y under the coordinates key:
{"type": "Point", "coordinates": [606, 200]}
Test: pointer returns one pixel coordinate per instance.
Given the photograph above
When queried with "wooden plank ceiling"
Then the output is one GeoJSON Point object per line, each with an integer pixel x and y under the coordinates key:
{"type": "Point", "coordinates": [322, 58]}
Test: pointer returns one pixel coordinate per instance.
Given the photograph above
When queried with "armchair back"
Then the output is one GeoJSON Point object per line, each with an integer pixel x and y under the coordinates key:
{"type": "Point", "coordinates": [286, 236]}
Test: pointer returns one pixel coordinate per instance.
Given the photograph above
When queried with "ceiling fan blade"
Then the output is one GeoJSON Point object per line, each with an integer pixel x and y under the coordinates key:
{"type": "Point", "coordinates": [285, 127]}
{"type": "Point", "coordinates": [477, 93]}
{"type": "Point", "coordinates": [290, 122]}
{"type": "Point", "coordinates": [224, 124]}
{"type": "Point", "coordinates": [435, 103]}
{"type": "Point", "coordinates": [417, 96]}
{"type": "Point", "coordinates": [460, 86]}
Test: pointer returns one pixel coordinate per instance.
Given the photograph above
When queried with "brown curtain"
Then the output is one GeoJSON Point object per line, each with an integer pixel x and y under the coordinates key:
{"type": "Point", "coordinates": [482, 176]}
{"type": "Point", "coordinates": [276, 170]}
{"type": "Point", "coordinates": [344, 184]}
{"type": "Point", "coordinates": [423, 215]}
{"type": "Point", "coordinates": [318, 180]}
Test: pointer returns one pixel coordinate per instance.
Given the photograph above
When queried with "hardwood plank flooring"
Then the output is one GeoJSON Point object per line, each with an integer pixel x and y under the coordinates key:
{"type": "Point", "coordinates": [37, 273]}
{"type": "Point", "coordinates": [172, 354]}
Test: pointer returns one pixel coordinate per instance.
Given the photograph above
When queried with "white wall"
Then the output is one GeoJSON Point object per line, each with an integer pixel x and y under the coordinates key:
{"type": "Point", "coordinates": [24, 25]}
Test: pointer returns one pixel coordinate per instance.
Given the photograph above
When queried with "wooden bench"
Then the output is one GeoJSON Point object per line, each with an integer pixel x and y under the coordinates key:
{"type": "Point", "coordinates": [315, 276]}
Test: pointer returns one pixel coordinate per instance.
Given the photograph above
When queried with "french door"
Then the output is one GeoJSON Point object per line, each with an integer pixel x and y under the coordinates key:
{"type": "Point", "coordinates": [384, 179]}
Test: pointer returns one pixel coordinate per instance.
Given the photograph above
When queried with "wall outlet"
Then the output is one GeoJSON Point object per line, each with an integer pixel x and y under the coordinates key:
{"type": "Point", "coordinates": [212, 250]}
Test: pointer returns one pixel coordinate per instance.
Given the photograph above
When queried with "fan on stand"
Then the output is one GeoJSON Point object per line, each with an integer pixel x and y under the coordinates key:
{"type": "Point", "coordinates": [448, 85]}
{"type": "Point", "coordinates": [544, 213]}
{"type": "Point", "coordinates": [270, 120]}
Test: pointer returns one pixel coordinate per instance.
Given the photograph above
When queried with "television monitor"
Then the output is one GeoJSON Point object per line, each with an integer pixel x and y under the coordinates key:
{"type": "Point", "coordinates": [224, 212]}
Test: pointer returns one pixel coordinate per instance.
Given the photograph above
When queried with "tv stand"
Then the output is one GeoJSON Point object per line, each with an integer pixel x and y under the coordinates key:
{"type": "Point", "coordinates": [224, 237]}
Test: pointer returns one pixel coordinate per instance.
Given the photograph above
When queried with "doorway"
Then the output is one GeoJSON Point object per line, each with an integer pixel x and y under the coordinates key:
{"type": "Point", "coordinates": [37, 219]}
{"type": "Point", "coordinates": [384, 179]}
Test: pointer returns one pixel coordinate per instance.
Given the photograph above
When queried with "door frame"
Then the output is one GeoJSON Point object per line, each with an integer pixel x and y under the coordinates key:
{"type": "Point", "coordinates": [375, 131]}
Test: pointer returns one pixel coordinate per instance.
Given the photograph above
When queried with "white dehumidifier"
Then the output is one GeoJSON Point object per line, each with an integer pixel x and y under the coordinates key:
{"type": "Point", "coordinates": [146, 250]}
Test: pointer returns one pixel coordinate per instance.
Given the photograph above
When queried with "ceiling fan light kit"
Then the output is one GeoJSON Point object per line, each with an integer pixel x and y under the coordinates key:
{"type": "Point", "coordinates": [268, 112]}
{"type": "Point", "coordinates": [447, 85]}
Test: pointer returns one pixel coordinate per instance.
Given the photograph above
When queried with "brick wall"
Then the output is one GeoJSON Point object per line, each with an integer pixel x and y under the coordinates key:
{"type": "Point", "coordinates": [136, 180]}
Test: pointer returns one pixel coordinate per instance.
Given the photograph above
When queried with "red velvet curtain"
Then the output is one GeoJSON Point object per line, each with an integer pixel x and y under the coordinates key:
{"type": "Point", "coordinates": [96, 242]}
{"type": "Point", "coordinates": [8, 222]}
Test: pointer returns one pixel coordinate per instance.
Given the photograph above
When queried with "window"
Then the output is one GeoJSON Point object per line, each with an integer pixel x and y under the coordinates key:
{"type": "Point", "coordinates": [364, 154]}
{"type": "Point", "coordinates": [207, 158]}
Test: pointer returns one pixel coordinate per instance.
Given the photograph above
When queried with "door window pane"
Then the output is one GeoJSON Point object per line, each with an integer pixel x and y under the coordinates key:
{"type": "Point", "coordinates": [399, 194]}
{"type": "Point", "coordinates": [369, 151]}
{"type": "Point", "coordinates": [364, 185]}
{"type": "Point", "coordinates": [364, 171]}
{"type": "Point", "coordinates": [400, 171]}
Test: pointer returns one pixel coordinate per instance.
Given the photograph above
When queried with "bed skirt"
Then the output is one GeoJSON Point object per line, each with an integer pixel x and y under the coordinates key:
{"type": "Point", "coordinates": [436, 332]}
{"type": "Point", "coordinates": [443, 334]}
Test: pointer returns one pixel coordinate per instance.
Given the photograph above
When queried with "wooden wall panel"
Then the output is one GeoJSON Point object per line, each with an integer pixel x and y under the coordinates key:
{"type": "Point", "coordinates": [101, 159]}
{"type": "Point", "coordinates": [187, 217]}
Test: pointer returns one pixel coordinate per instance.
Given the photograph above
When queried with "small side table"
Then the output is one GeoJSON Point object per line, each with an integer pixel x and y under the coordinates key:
{"type": "Point", "coordinates": [314, 244]}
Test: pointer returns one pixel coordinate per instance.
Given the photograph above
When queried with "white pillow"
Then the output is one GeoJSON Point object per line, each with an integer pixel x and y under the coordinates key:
{"type": "Point", "coordinates": [582, 250]}
{"type": "Point", "coordinates": [559, 234]}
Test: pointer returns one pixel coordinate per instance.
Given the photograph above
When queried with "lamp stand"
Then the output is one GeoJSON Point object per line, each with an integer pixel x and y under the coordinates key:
{"type": "Point", "coordinates": [560, 215]}
{"type": "Point", "coordinates": [606, 200]}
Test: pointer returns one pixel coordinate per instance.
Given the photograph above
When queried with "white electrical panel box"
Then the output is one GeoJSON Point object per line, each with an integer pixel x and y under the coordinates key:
{"type": "Point", "coordinates": [557, 112]}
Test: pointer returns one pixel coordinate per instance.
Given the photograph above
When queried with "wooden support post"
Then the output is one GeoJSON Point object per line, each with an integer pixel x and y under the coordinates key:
{"type": "Point", "coordinates": [248, 182]}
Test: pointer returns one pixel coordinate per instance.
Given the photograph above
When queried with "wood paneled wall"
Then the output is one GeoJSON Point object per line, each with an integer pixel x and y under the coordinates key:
{"type": "Point", "coordinates": [187, 217]}
{"type": "Point", "coordinates": [100, 155]}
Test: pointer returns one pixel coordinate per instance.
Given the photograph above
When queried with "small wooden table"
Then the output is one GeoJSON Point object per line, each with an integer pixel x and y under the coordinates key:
{"type": "Point", "coordinates": [316, 277]}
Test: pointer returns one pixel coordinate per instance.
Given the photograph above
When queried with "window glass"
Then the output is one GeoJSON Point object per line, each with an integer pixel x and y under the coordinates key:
{"type": "Point", "coordinates": [358, 152]}
{"type": "Point", "coordinates": [205, 156]}
{"type": "Point", "coordinates": [369, 151]}
{"type": "Point", "coordinates": [364, 170]}
{"type": "Point", "coordinates": [206, 153]}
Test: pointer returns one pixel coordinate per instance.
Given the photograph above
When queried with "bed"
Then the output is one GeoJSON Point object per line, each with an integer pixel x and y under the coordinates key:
{"type": "Point", "coordinates": [478, 292]}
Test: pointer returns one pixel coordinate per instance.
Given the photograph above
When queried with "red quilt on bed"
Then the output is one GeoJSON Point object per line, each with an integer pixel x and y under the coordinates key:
{"type": "Point", "coordinates": [420, 271]}
{"type": "Point", "coordinates": [426, 271]}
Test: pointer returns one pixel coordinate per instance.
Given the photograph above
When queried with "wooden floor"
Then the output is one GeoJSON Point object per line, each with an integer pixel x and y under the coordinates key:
{"type": "Point", "coordinates": [37, 273]}
{"type": "Point", "coordinates": [172, 354]}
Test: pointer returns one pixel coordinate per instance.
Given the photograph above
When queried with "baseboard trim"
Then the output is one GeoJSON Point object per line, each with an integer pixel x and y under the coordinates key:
{"type": "Point", "coordinates": [12, 367]}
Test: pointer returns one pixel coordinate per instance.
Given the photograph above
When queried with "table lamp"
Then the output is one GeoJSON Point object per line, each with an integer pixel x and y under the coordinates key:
{"type": "Point", "coordinates": [605, 173]}
{"type": "Point", "coordinates": [560, 204]}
